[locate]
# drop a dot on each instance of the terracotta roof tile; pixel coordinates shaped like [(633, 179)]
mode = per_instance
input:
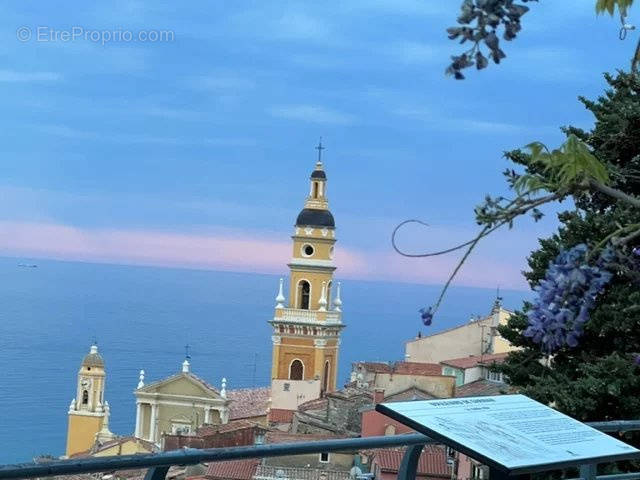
[(481, 388), (233, 469), (280, 415), (475, 360), (231, 426), (285, 437), (410, 394), (402, 368), (433, 461), (248, 402), (315, 404)]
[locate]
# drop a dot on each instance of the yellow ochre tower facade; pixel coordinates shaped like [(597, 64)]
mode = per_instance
[(306, 331), (88, 411)]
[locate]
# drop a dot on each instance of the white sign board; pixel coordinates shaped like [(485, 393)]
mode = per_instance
[(513, 431)]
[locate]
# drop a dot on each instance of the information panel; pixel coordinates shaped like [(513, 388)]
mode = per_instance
[(512, 431)]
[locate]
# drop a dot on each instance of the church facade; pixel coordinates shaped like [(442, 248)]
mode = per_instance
[(178, 405), (307, 327)]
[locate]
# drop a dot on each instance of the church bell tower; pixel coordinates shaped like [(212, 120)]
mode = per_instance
[(306, 331), (88, 411)]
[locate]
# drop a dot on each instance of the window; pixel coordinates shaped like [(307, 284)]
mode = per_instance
[(451, 453), (390, 430), (494, 376), (286, 387), (304, 293), (315, 189), (259, 439), (329, 293), (479, 472), (180, 429), (459, 374), (85, 397), (324, 457), (307, 250), (296, 370)]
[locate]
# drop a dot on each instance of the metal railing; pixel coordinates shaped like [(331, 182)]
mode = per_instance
[(158, 464)]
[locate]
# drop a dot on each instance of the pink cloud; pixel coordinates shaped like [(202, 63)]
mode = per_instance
[(235, 251)]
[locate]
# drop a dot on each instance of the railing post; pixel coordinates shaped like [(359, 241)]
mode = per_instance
[(409, 465), (588, 471), (156, 473)]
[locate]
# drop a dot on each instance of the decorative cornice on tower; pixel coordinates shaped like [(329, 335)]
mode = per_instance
[(280, 298), (323, 298), (337, 301)]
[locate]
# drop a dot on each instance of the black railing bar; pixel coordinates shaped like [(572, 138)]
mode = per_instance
[(613, 476), (190, 456)]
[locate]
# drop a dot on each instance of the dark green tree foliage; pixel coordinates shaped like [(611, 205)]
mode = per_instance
[(599, 379)]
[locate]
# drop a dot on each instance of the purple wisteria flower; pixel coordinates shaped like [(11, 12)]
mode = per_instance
[(565, 297), (636, 251)]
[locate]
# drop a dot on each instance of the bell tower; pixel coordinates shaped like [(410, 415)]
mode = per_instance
[(87, 411), (306, 332)]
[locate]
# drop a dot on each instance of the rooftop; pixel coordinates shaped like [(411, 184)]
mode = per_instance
[(433, 461), (401, 368), (481, 388), (286, 437), (281, 415), (475, 360), (248, 402), (233, 469)]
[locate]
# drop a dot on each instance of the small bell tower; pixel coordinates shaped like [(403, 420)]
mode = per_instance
[(87, 411), (306, 332)]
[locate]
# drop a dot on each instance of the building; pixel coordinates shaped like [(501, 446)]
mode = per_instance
[(475, 367), (311, 463), (236, 433), (336, 413), (398, 377), (385, 463), (178, 404), (476, 337), (122, 446), (306, 328), (376, 424), (88, 412)]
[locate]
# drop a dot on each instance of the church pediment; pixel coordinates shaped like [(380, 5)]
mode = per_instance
[(183, 384)]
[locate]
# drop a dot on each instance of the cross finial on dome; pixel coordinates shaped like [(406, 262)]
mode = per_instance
[(320, 148)]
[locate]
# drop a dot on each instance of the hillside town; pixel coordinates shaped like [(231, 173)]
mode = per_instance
[(303, 401)]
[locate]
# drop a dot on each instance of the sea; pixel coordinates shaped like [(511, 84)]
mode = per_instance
[(143, 317)]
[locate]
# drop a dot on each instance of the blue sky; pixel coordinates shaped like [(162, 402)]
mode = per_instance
[(196, 151)]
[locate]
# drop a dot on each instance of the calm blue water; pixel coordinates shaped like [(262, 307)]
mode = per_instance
[(143, 317)]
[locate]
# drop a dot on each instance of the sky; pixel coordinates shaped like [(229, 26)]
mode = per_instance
[(183, 134)]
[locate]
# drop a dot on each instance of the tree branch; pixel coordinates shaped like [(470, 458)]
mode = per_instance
[(617, 194)]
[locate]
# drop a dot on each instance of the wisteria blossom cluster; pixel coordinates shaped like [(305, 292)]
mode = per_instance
[(565, 297)]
